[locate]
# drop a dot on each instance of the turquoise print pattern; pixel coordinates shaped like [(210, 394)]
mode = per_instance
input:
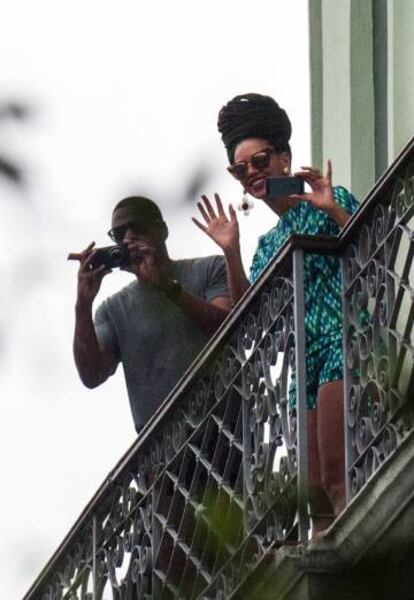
[(323, 305)]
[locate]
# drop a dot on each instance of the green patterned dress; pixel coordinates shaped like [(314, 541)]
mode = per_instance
[(323, 304)]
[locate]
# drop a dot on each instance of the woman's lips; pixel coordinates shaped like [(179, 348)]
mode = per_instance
[(257, 185)]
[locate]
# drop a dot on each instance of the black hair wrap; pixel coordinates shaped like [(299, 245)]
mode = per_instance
[(254, 116)]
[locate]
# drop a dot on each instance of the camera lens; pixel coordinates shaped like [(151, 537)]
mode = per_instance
[(117, 256), (111, 257)]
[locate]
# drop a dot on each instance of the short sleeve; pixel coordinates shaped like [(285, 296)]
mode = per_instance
[(268, 246), (216, 279), (345, 199), (105, 331)]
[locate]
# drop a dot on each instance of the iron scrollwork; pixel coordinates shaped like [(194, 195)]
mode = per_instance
[(379, 343)]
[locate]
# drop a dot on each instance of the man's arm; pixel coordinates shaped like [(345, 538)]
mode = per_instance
[(208, 316), (149, 267), (94, 363)]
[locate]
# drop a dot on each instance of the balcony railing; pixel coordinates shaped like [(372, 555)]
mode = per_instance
[(217, 480), (378, 297)]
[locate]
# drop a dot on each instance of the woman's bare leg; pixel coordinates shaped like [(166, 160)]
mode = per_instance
[(331, 444), (321, 509)]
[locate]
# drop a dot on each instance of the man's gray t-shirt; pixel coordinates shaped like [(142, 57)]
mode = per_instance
[(151, 335)]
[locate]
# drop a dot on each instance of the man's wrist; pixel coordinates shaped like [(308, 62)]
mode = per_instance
[(172, 289), (83, 306)]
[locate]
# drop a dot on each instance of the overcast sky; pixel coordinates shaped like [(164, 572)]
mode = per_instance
[(123, 98)]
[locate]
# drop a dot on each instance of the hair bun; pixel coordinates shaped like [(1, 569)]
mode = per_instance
[(253, 116)]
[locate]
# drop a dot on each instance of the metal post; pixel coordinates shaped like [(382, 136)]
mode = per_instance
[(347, 436), (94, 563), (301, 406)]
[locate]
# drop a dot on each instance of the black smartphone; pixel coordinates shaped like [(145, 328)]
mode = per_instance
[(278, 187)]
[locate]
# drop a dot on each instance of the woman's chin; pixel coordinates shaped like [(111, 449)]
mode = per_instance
[(258, 192), (260, 195)]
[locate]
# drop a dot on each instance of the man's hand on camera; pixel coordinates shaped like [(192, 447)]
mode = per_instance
[(147, 265), (89, 279)]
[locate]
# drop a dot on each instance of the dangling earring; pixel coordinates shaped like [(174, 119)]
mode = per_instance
[(286, 171), (246, 204)]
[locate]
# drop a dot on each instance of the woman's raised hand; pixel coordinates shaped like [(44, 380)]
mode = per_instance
[(321, 196), (224, 231)]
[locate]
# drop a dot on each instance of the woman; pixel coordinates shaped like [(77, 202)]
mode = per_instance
[(256, 133)]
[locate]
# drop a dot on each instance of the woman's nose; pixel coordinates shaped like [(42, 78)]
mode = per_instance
[(252, 168)]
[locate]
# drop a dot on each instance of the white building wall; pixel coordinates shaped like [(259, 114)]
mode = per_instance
[(346, 100), (400, 75), (336, 99)]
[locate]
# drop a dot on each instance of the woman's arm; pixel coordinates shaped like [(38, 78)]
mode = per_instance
[(225, 232), (238, 282)]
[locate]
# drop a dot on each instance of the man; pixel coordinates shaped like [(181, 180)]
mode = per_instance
[(157, 324)]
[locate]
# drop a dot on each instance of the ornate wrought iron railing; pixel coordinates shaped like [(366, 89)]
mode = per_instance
[(217, 481), (378, 301)]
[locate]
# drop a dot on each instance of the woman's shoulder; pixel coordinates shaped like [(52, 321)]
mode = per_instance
[(345, 198), (268, 233), (270, 236)]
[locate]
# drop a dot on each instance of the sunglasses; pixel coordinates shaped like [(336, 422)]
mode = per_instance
[(117, 234), (259, 160)]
